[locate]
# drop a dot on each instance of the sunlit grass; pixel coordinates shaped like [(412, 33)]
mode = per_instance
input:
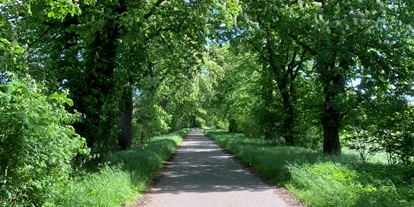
[(320, 180), (379, 157), (124, 177)]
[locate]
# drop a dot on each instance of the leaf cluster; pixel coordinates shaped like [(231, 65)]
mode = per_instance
[(38, 145)]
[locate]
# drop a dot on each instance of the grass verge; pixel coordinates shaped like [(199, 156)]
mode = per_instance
[(319, 180), (124, 177)]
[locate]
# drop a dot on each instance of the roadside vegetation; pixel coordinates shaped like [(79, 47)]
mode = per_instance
[(123, 177), (323, 180)]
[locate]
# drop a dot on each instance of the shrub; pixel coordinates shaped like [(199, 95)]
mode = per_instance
[(37, 143), (126, 174)]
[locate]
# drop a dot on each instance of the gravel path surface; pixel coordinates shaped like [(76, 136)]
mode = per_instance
[(201, 174)]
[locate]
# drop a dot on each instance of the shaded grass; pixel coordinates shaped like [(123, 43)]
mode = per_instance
[(320, 180), (125, 175)]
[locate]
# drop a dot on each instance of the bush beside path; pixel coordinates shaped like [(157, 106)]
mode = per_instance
[(124, 177)]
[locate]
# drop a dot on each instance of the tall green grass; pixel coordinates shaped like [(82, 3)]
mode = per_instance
[(124, 177), (320, 180)]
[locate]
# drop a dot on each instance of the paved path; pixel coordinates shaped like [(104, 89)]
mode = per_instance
[(202, 175)]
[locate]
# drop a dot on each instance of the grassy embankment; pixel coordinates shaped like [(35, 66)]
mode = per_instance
[(320, 180), (123, 178)]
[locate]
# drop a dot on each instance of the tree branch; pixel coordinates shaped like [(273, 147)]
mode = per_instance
[(254, 46), (158, 32), (165, 42), (350, 108), (306, 47), (38, 38), (292, 62), (297, 65), (152, 10)]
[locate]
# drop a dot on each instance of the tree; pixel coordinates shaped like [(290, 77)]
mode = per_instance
[(282, 61), (105, 52), (339, 35)]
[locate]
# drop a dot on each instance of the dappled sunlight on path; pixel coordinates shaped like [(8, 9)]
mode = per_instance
[(201, 174)]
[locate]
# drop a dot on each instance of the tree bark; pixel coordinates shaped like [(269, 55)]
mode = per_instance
[(288, 120), (125, 123), (268, 119), (193, 121), (331, 143), (283, 73), (232, 125), (331, 121)]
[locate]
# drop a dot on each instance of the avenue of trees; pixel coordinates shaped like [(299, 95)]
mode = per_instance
[(322, 67), (83, 79)]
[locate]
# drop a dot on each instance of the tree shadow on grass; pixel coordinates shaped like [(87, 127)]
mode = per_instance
[(273, 161), (375, 184), (390, 185)]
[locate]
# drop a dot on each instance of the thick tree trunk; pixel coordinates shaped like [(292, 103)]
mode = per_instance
[(93, 87), (193, 122), (232, 126), (331, 123), (331, 120), (125, 123), (331, 143)]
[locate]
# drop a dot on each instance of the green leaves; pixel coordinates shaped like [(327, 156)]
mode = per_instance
[(61, 99), (37, 145)]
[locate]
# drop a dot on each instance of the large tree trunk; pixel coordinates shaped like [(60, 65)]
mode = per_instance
[(331, 143), (94, 88), (334, 85), (232, 125), (193, 121), (331, 122), (268, 120), (125, 123)]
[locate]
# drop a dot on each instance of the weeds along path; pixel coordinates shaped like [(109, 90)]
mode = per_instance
[(201, 174)]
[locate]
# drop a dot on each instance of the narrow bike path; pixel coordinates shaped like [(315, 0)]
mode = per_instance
[(201, 174)]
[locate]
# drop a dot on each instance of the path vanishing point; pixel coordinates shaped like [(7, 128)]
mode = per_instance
[(201, 174)]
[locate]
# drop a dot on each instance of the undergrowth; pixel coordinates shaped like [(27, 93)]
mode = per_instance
[(320, 180), (123, 177)]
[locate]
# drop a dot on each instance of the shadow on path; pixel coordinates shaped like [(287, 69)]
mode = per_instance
[(200, 168)]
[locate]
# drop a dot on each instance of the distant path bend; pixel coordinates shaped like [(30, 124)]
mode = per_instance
[(201, 174)]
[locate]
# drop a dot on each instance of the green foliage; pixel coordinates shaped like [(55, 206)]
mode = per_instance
[(332, 36), (123, 177), (336, 184), (243, 91), (234, 90), (321, 180), (391, 132), (37, 143), (149, 119)]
